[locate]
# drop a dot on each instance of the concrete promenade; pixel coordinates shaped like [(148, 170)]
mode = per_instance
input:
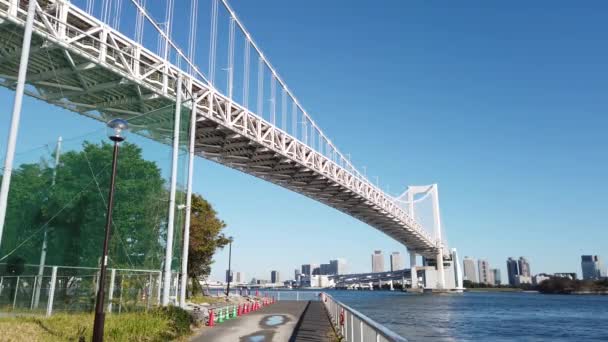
[(282, 321)]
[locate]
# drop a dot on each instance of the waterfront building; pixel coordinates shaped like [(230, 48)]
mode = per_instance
[(377, 262), (496, 274), (229, 275), (524, 267), (512, 270), (571, 276), (308, 269), (239, 277), (521, 279), (592, 267), (484, 271), (316, 270), (539, 278), (337, 266), (470, 273), (274, 277), (396, 261), (325, 269)]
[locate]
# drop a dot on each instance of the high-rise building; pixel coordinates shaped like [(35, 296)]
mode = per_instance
[(229, 275), (325, 269), (592, 267), (274, 277), (396, 261), (470, 273), (524, 267), (308, 269), (496, 274), (316, 270), (337, 266), (512, 270), (484, 271), (239, 277), (377, 262)]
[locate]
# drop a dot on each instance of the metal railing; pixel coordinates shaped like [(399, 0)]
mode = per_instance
[(72, 289), (355, 326)]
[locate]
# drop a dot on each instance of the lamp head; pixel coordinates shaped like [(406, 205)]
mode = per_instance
[(117, 130)]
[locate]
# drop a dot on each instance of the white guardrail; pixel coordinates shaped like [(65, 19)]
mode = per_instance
[(355, 326)]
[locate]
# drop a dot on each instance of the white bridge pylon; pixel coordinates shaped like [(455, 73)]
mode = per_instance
[(86, 65), (415, 200)]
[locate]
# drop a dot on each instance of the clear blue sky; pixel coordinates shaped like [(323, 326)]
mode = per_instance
[(504, 105)]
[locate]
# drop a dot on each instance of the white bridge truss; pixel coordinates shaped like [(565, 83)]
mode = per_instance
[(82, 64)]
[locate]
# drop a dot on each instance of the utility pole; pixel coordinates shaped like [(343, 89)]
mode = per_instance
[(229, 265)]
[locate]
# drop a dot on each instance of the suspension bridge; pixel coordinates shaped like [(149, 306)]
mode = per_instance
[(121, 58)]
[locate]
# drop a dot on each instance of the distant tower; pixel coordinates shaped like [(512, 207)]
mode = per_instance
[(512, 270), (496, 273), (470, 273), (337, 266), (484, 272), (377, 262), (274, 277), (524, 267), (396, 261), (592, 267)]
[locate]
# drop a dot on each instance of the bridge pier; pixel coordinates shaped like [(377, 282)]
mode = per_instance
[(413, 270)]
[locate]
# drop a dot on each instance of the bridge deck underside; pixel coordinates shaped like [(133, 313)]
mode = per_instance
[(73, 80)]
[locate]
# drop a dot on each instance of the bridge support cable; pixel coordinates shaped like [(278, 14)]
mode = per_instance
[(16, 115), (186, 238), (260, 106), (172, 191), (284, 110), (246, 66), (294, 119), (90, 6), (213, 41), (273, 100), (117, 12), (139, 22), (231, 40)]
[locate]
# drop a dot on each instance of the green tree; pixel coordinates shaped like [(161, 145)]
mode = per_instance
[(205, 238), (73, 209)]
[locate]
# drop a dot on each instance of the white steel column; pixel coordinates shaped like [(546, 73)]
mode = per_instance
[(186, 239), (171, 218), (437, 220), (49, 304), (413, 270), (14, 129), (45, 238), (111, 291)]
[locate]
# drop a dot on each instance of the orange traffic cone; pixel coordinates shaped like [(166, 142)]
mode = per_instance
[(211, 319), (238, 311)]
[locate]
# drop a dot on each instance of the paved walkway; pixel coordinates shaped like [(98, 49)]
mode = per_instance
[(280, 322), (314, 325)]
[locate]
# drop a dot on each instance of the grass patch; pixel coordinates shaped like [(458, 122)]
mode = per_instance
[(161, 324)]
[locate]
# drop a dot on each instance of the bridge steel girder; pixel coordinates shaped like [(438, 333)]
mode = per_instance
[(152, 80)]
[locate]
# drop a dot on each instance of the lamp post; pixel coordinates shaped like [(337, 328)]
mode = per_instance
[(229, 270), (116, 132)]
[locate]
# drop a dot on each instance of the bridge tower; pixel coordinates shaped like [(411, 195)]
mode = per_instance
[(436, 277)]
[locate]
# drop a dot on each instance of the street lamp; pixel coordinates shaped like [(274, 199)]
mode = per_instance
[(229, 270), (117, 130)]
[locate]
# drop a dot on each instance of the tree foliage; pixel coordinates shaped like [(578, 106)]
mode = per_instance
[(71, 208), (205, 238)]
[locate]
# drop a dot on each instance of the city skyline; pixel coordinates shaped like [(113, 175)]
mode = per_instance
[(512, 160)]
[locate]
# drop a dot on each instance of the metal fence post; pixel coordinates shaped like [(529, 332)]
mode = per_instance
[(1, 281), (111, 292), (298, 296), (361, 330), (149, 294), (16, 291), (49, 305), (278, 295)]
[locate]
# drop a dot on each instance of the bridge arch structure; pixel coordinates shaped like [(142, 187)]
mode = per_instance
[(81, 60)]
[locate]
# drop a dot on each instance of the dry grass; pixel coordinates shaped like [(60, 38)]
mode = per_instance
[(158, 325)]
